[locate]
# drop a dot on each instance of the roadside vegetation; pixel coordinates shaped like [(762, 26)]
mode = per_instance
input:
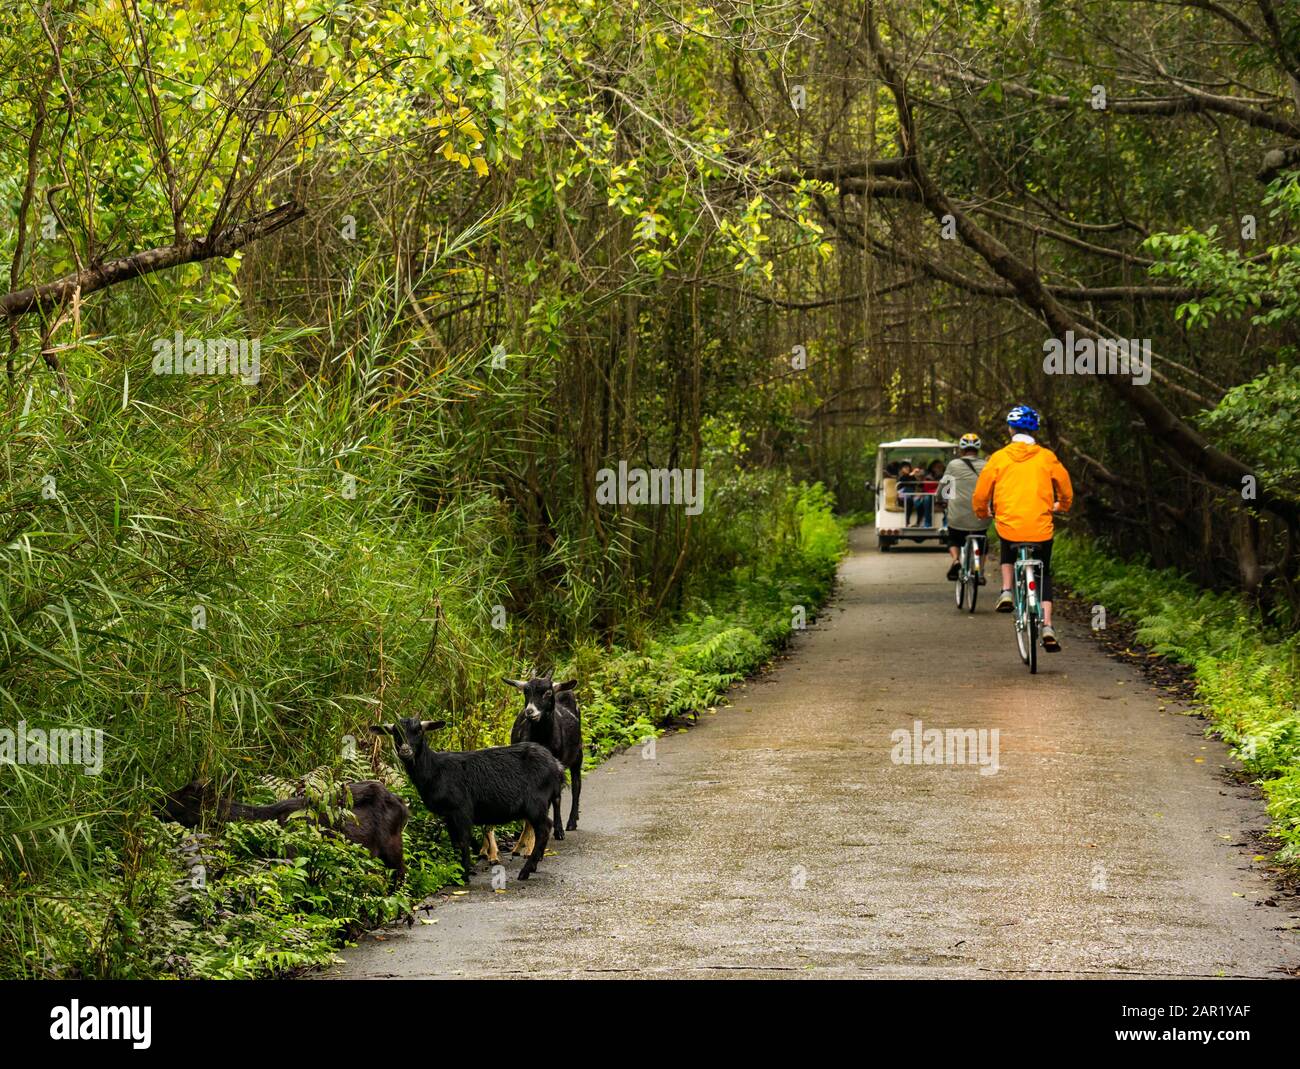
[(325, 615)]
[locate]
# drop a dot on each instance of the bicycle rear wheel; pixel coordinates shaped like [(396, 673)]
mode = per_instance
[(973, 580), (1032, 631), (960, 587), (1024, 614), (1022, 639)]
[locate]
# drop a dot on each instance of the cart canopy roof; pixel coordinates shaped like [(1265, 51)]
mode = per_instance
[(918, 443)]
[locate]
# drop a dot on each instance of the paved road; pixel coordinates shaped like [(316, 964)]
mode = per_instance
[(779, 838)]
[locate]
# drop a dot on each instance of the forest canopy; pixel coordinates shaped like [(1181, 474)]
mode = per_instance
[(655, 211)]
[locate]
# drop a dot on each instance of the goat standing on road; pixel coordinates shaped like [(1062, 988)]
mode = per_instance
[(550, 716), (492, 786)]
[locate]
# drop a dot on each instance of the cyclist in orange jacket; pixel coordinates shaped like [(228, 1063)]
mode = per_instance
[(1022, 486)]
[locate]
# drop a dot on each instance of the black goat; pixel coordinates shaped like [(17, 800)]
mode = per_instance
[(492, 786), (378, 816), (550, 717)]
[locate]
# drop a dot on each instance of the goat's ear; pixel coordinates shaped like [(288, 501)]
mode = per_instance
[(518, 684), (568, 684), (432, 725), (381, 729)]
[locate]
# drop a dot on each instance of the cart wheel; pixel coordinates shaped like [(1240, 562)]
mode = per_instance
[(886, 544)]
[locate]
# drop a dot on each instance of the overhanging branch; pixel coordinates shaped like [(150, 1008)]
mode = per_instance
[(51, 295)]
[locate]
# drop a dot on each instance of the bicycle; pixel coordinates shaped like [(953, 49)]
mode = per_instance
[(970, 575), (1027, 604)]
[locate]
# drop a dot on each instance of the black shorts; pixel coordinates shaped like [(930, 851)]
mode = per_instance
[(1043, 551), (957, 537)]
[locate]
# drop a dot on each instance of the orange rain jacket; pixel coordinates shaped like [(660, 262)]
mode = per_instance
[(1021, 482)]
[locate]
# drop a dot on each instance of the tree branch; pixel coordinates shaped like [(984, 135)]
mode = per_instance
[(54, 294)]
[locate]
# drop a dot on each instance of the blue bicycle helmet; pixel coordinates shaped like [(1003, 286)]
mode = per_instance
[(1022, 418)]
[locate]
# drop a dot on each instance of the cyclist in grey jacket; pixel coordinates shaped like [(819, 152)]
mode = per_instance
[(956, 488)]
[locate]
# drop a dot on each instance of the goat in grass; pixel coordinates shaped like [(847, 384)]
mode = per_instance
[(378, 815)]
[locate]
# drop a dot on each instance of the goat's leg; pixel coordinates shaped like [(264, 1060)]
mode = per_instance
[(458, 830), (390, 853), (541, 834), (575, 775), (555, 821), (489, 847), (524, 844)]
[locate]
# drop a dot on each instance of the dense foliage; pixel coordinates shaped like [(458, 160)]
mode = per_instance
[(105, 889)]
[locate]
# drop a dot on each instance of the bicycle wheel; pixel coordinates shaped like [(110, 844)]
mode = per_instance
[(960, 585), (1023, 613), (1022, 634), (973, 592), (1032, 631)]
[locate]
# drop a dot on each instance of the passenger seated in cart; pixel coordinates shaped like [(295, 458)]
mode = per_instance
[(920, 496), (924, 500), (909, 483), (930, 487)]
